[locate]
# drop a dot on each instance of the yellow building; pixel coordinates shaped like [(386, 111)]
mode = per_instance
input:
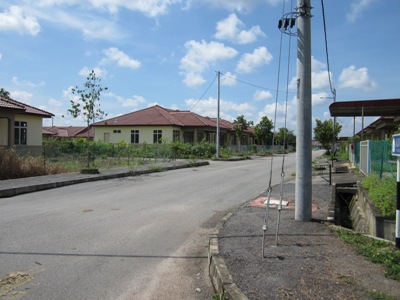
[(156, 124), (21, 126)]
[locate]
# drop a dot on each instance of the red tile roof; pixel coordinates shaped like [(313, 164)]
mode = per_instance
[(68, 131), (159, 116), (23, 108)]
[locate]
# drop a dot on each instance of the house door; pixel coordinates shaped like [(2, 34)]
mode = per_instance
[(106, 137)]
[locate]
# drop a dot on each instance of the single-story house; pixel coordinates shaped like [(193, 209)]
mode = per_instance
[(67, 132), (156, 124), (21, 126)]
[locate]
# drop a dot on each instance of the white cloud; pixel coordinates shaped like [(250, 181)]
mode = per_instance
[(100, 72), (228, 110), (250, 61), (133, 102), (150, 8), (92, 26), (54, 102), (356, 8), (321, 98), (232, 29), (261, 95), (21, 96), (28, 83), (228, 79), (281, 114), (14, 19), (199, 56), (122, 59), (356, 79), (231, 5)]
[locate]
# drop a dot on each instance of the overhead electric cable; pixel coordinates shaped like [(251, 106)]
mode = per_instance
[(254, 85), (326, 48), (204, 92)]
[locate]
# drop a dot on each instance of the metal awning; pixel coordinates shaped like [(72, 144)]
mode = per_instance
[(366, 108)]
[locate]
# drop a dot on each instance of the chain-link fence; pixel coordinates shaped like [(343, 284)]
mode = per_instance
[(374, 157)]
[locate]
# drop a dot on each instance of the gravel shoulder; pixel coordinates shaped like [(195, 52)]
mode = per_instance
[(309, 262)]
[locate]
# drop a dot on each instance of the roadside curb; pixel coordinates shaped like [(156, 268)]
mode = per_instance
[(34, 184), (220, 277)]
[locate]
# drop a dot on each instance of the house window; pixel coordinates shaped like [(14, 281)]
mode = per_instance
[(117, 131), (176, 135), (20, 133), (157, 136), (135, 136)]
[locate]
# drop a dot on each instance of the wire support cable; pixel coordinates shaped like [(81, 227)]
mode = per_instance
[(269, 189)]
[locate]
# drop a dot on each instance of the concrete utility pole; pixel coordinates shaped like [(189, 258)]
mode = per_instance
[(303, 201), (217, 137)]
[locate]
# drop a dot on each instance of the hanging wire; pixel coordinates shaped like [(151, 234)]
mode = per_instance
[(201, 97), (284, 139), (269, 189), (252, 84), (326, 48)]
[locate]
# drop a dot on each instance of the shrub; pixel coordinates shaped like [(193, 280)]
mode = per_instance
[(382, 193)]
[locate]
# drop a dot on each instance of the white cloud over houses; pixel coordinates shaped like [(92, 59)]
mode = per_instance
[(123, 60), (199, 56), (251, 61), (228, 110), (131, 102), (233, 29), (22, 96), (14, 19), (27, 83), (283, 114), (353, 78), (261, 95)]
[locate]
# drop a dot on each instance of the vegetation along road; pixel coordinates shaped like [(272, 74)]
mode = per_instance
[(140, 237)]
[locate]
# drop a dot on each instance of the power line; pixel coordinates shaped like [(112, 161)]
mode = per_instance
[(326, 48), (204, 93), (253, 85)]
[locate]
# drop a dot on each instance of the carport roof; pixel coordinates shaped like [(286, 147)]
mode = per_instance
[(358, 108)]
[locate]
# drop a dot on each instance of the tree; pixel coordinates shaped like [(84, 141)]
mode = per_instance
[(285, 137), (263, 130), (240, 125), (86, 103), (323, 132), (4, 93)]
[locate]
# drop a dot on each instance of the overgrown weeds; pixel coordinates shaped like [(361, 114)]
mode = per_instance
[(377, 251), (382, 193), (14, 166)]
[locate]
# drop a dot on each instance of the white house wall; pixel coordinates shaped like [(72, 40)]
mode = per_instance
[(145, 133)]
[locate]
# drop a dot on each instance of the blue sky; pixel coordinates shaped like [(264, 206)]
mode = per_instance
[(167, 52)]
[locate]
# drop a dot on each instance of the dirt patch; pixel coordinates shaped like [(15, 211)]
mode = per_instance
[(9, 284), (309, 262)]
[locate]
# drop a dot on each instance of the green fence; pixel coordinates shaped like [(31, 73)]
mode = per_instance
[(375, 157)]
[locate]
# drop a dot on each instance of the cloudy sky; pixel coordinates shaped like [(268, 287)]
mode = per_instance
[(168, 52)]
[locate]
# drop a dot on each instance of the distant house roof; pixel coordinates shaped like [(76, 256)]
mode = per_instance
[(358, 108), (22, 108), (160, 116), (67, 131)]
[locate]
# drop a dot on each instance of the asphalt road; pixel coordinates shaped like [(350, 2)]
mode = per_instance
[(140, 237)]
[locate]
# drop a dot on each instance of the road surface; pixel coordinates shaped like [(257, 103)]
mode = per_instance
[(142, 237)]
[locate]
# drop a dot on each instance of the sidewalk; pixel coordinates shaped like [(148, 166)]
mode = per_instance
[(308, 262), (13, 187)]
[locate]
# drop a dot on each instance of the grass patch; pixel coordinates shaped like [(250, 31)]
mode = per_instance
[(377, 251)]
